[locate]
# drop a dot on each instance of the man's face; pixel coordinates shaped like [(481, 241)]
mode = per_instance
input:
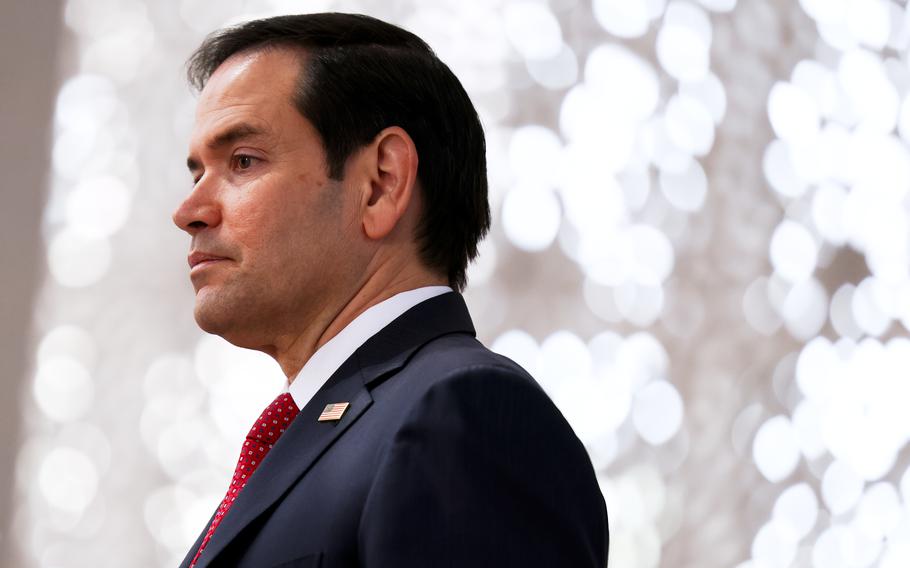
[(262, 200)]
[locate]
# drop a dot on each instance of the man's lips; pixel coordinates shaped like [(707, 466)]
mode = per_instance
[(201, 258)]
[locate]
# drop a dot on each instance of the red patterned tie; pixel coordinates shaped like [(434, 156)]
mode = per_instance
[(265, 432)]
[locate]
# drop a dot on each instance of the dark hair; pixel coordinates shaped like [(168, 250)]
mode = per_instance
[(361, 75)]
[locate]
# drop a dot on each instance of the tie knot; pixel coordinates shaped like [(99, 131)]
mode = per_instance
[(274, 420)]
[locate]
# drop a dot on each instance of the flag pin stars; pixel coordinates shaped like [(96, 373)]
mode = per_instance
[(333, 411)]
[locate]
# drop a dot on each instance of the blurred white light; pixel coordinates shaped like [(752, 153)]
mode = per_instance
[(872, 96), (533, 30), (841, 487), (63, 388), (519, 346), (604, 348), (834, 548), (557, 72), (68, 479), (76, 261), (832, 22), (685, 190), (819, 82), (85, 103), (710, 92), (808, 431), (98, 207), (613, 402), (484, 264), (657, 147), (683, 52), (797, 507), (657, 412), (600, 301), (70, 341), (591, 198), (869, 21), (120, 52), (758, 310), (777, 165), (718, 5), (774, 545), (564, 357), (198, 15), (607, 260), (532, 149), (643, 357), (163, 513), (636, 187), (867, 313), (842, 312), (531, 217), (903, 121), (625, 84), (775, 450), (622, 18), (834, 153), (879, 167), (652, 253), (888, 252), (74, 149), (689, 125), (685, 14), (225, 371), (793, 113), (828, 203), (900, 28), (90, 439), (896, 554), (905, 487), (639, 304), (879, 511), (169, 375), (587, 403), (793, 251), (602, 137), (805, 309)]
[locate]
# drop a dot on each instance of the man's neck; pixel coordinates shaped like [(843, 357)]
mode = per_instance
[(292, 352)]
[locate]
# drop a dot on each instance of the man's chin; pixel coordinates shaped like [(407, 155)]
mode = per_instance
[(210, 314), (208, 323)]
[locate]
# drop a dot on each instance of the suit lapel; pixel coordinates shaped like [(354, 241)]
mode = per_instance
[(294, 453), (307, 438)]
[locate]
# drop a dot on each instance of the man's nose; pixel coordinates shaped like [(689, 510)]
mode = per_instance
[(198, 211)]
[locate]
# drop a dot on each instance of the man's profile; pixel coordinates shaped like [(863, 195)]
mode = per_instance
[(339, 194)]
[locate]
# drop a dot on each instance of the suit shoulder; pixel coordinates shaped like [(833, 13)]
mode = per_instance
[(457, 356)]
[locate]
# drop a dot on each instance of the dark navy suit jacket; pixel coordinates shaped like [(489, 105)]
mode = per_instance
[(448, 456)]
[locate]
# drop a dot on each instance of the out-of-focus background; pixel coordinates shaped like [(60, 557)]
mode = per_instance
[(701, 248)]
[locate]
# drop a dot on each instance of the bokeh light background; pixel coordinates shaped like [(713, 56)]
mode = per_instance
[(701, 250)]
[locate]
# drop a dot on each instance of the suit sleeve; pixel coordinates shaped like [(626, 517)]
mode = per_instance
[(485, 471)]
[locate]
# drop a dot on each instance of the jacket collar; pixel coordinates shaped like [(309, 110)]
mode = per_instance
[(307, 438)]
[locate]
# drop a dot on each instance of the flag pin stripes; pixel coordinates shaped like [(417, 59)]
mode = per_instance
[(333, 411)]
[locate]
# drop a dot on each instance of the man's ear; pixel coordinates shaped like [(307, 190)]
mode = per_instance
[(391, 160)]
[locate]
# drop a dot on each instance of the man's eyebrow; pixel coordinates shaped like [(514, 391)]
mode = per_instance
[(226, 137), (233, 134)]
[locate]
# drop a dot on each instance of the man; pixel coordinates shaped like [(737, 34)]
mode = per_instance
[(339, 194)]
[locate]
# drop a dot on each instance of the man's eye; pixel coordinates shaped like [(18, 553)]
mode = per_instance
[(243, 161)]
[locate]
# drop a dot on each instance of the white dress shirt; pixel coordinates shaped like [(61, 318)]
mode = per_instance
[(326, 360)]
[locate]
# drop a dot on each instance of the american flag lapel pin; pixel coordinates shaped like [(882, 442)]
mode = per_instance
[(333, 411)]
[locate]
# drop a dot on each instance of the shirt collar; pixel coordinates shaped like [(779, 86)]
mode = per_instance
[(326, 360)]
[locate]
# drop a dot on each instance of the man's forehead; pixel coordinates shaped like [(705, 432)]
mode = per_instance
[(271, 71), (248, 88)]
